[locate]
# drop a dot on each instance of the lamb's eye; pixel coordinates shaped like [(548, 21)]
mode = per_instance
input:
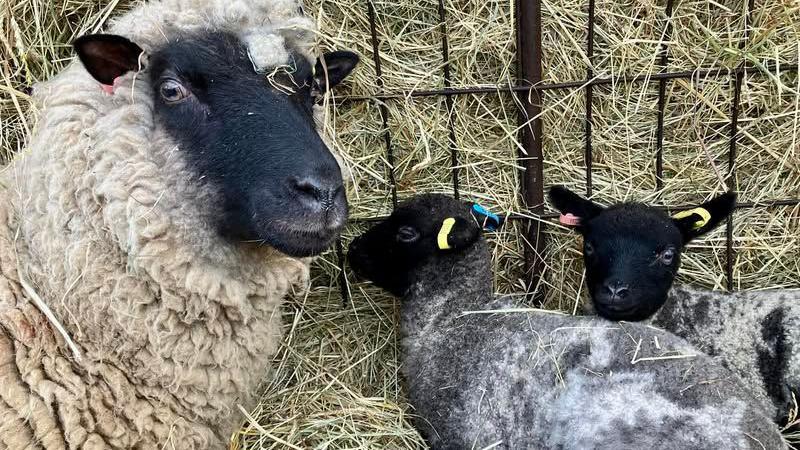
[(407, 234), (588, 249), (172, 91), (667, 256)]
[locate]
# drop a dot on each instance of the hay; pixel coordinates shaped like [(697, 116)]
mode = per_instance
[(335, 382)]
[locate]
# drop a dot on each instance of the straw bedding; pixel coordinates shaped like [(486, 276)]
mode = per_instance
[(337, 380)]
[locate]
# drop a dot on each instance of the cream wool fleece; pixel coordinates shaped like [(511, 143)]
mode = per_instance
[(105, 223)]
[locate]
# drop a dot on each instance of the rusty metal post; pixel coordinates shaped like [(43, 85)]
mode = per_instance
[(529, 54)]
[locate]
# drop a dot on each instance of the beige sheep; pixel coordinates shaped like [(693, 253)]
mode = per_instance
[(162, 247)]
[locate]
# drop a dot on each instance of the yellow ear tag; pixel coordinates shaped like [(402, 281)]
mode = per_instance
[(702, 212), (441, 240)]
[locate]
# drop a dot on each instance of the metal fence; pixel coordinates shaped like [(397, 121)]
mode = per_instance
[(530, 93)]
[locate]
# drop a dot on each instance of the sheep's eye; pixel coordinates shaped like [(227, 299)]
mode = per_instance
[(407, 234), (667, 256), (588, 249), (172, 91)]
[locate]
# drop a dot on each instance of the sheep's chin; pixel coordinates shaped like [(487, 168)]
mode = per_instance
[(299, 243), (630, 314)]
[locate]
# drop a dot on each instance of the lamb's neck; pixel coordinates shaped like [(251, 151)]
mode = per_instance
[(683, 304), (448, 286)]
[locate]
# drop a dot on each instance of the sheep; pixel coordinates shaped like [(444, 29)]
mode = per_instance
[(632, 253), (173, 192), (481, 374)]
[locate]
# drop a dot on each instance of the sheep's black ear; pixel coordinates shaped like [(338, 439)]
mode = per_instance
[(704, 218), (456, 233), (107, 56), (568, 202), (332, 68)]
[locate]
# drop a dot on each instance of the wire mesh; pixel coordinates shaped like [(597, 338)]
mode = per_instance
[(529, 91)]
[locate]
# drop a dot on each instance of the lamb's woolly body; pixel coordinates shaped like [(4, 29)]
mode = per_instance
[(174, 325), (755, 333), (544, 381)]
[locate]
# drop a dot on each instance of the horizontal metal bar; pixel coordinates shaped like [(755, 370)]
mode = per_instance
[(521, 217), (497, 89)]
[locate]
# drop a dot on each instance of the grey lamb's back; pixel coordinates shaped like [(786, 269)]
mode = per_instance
[(560, 382)]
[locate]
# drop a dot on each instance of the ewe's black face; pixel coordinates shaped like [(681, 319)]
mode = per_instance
[(390, 252), (251, 138), (632, 251)]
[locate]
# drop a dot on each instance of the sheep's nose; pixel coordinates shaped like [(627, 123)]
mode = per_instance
[(616, 289), (325, 196), (316, 193)]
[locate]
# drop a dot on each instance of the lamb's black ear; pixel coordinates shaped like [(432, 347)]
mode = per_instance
[(704, 218), (568, 202), (332, 68), (456, 233), (107, 56)]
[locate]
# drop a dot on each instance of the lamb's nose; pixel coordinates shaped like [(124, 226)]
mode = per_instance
[(617, 289)]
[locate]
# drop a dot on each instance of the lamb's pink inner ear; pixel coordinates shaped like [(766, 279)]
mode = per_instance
[(109, 88), (569, 220)]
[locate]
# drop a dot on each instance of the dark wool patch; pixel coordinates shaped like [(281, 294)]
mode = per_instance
[(577, 355), (773, 358), (668, 316), (700, 312)]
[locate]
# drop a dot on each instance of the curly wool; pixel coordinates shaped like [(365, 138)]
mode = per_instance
[(103, 220)]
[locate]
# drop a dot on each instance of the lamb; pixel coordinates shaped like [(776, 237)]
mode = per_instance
[(175, 189), (481, 374), (632, 253)]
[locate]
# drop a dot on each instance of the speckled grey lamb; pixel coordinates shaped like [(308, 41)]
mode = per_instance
[(632, 253), (479, 374)]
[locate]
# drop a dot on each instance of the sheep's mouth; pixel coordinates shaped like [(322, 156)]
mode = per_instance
[(300, 241)]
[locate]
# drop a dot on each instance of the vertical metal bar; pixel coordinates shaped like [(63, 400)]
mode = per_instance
[(662, 94), (383, 110), (587, 157), (731, 179), (529, 54), (451, 138)]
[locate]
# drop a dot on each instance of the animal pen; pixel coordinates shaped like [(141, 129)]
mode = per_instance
[(665, 101)]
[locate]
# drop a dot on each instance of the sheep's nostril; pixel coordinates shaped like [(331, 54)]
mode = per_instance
[(616, 289), (317, 193), (307, 187)]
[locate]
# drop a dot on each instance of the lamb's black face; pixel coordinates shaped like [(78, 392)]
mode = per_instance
[(389, 253), (632, 251), (250, 137), (632, 254)]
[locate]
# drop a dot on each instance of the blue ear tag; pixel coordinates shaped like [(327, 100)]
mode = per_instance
[(489, 220)]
